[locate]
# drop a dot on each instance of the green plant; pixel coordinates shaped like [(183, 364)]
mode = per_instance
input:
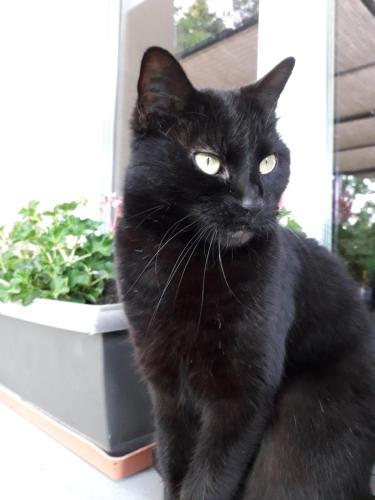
[(285, 219), (54, 255), (356, 228), (201, 22), (197, 25)]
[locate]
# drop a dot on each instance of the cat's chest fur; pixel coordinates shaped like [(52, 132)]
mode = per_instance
[(200, 324)]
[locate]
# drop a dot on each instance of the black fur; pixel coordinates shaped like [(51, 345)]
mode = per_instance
[(254, 342)]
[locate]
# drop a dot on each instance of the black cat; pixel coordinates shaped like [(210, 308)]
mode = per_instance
[(257, 350)]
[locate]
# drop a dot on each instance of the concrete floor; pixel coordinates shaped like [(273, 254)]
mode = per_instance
[(33, 465)]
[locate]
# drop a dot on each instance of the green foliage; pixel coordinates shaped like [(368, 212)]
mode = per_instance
[(196, 25), (54, 255), (244, 10), (285, 219), (356, 231)]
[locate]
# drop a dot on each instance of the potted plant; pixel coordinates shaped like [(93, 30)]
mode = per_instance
[(64, 343)]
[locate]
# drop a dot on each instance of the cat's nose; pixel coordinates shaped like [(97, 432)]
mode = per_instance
[(247, 202), (251, 203)]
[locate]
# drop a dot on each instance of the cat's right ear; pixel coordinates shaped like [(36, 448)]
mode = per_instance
[(267, 90), (163, 87)]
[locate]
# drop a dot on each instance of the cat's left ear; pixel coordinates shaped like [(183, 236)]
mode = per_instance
[(163, 87), (268, 89)]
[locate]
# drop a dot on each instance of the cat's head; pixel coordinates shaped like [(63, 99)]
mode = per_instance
[(212, 159)]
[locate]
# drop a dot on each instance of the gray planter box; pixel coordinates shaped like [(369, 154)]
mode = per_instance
[(75, 363)]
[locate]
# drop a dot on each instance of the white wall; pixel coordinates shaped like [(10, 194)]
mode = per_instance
[(57, 94), (304, 30)]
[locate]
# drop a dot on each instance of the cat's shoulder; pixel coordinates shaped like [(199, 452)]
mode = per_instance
[(317, 263), (309, 251), (298, 242)]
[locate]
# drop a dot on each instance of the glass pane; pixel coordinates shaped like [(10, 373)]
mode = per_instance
[(355, 141), (200, 22)]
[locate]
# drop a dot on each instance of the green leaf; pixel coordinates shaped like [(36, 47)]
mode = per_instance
[(102, 246), (67, 207), (28, 297), (54, 254), (30, 210), (291, 223), (78, 278), (59, 286)]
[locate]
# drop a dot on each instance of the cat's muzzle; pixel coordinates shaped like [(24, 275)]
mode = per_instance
[(235, 238)]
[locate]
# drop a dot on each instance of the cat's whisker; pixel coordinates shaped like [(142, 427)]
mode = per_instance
[(165, 235), (155, 256), (196, 113), (196, 242), (150, 213), (229, 288), (157, 207), (175, 268), (224, 276), (205, 243), (214, 232)]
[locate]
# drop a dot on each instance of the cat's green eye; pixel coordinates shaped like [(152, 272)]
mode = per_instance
[(267, 164), (209, 164)]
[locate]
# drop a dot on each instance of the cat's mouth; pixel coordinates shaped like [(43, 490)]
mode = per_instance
[(235, 238)]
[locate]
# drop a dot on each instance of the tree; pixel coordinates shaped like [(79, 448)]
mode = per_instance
[(196, 25), (244, 10)]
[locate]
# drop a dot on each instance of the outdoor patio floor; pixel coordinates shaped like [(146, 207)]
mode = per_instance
[(33, 465)]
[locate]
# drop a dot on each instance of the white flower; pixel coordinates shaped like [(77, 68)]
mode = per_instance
[(71, 241), (82, 240)]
